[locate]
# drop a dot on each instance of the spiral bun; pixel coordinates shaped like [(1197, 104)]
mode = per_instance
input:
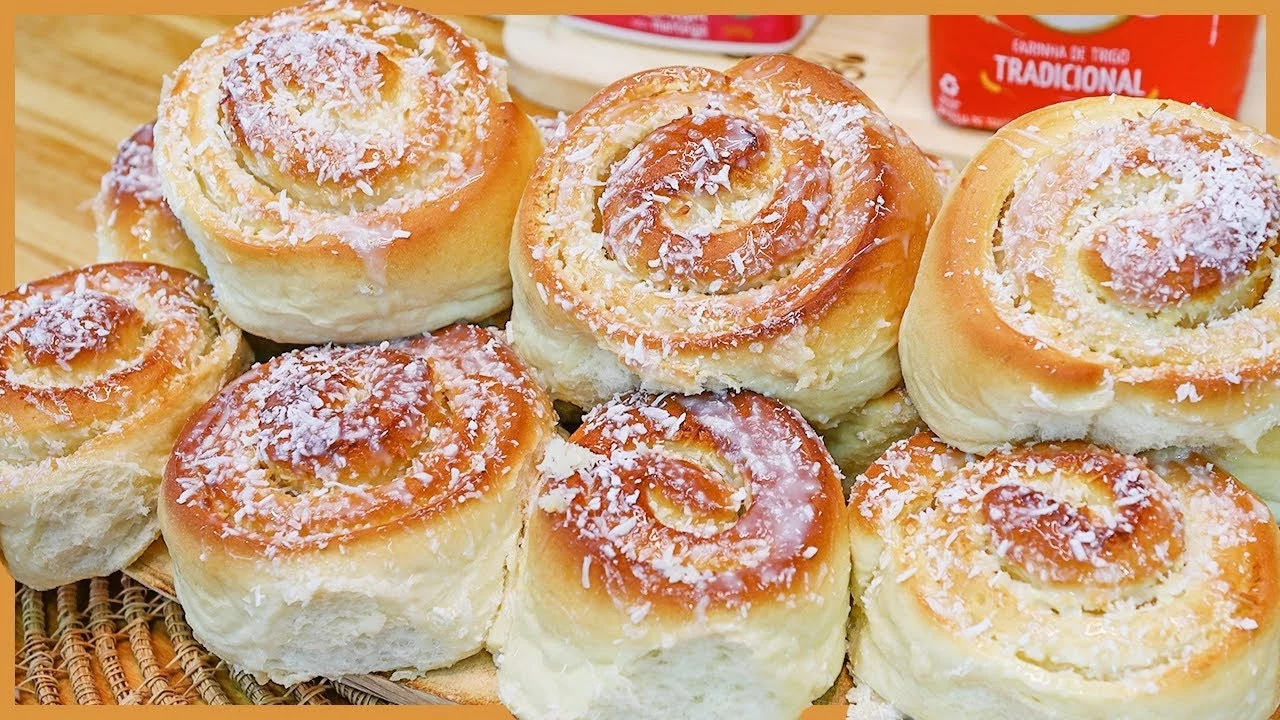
[(1104, 270), (343, 510), (348, 171), (694, 230), (1063, 581), (684, 555), (99, 369), (133, 220)]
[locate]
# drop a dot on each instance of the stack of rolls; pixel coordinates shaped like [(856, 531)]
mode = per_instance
[(695, 233), (343, 172), (1099, 283), (822, 401)]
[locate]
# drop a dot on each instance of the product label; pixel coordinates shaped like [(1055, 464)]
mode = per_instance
[(715, 28), (990, 69)]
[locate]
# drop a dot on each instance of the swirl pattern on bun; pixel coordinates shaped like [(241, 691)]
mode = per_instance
[(349, 509), (694, 230), (1105, 270), (1062, 581), (681, 552)]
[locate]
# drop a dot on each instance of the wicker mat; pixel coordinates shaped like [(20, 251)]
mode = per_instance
[(112, 641)]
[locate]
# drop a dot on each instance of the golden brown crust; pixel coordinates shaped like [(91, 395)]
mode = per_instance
[(133, 220), (331, 39), (331, 445), (710, 502), (92, 346), (1078, 285), (739, 212)]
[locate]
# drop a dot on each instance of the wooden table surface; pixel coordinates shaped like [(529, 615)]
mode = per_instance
[(84, 83)]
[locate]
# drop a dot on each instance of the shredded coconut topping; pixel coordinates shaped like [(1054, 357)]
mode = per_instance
[(1144, 247), (133, 173), (1166, 207), (73, 324), (1109, 567), (702, 497), (1149, 243), (551, 128), (324, 443), (690, 209), (87, 351), (334, 119)]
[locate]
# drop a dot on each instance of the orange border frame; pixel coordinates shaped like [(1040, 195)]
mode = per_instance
[(229, 7)]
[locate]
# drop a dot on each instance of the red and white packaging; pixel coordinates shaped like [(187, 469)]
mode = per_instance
[(733, 34), (989, 69)]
